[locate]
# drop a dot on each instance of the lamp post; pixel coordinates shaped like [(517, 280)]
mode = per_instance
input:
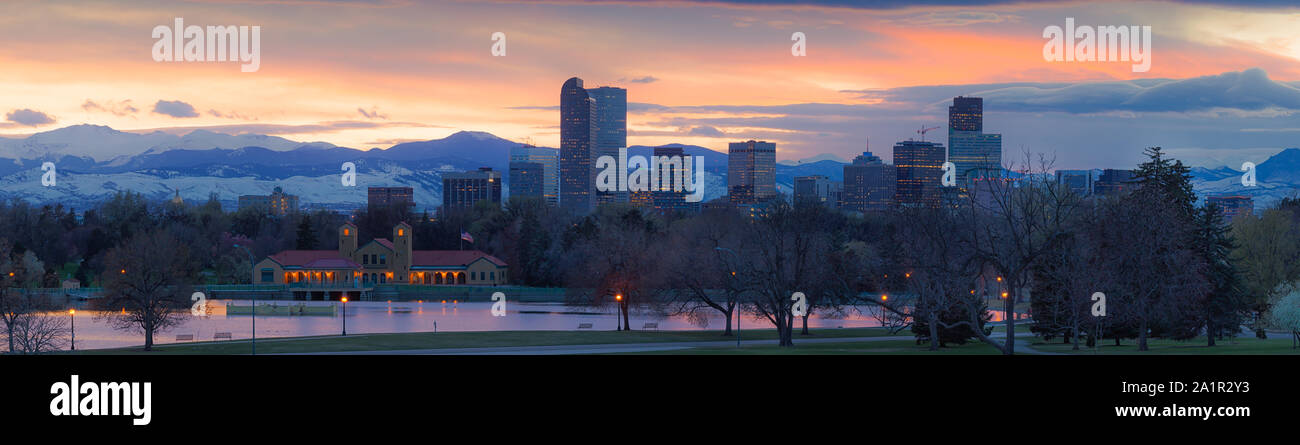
[(72, 315), (253, 294), (345, 315), (618, 309)]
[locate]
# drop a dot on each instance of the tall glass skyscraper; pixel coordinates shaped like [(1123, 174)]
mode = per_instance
[(577, 147), (751, 172), (975, 154), (611, 129), (550, 162), (920, 168)]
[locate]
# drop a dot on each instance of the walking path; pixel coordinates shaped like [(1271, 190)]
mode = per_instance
[(628, 347)]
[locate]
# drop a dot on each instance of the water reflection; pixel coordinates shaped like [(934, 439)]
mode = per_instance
[(365, 317)]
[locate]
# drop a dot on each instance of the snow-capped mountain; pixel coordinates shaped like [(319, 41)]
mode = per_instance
[(1276, 178), (106, 144)]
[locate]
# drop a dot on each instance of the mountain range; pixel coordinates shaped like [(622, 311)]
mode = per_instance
[(94, 162)]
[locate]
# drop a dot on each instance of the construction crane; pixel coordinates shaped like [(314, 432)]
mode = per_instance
[(924, 130)]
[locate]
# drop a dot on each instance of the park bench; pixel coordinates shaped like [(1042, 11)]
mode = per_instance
[(649, 326), (184, 337), (584, 325), (221, 335)]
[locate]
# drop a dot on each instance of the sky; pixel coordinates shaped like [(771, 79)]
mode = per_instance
[(1223, 85)]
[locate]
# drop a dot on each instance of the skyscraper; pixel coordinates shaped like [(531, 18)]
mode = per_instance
[(920, 168), (611, 130), (577, 147), (975, 154), (869, 184), (751, 172), (527, 179), (666, 198), (461, 191), (550, 161)]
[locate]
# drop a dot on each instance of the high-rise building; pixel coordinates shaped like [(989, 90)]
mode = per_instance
[(667, 198), (611, 130), (920, 168), (1233, 206), (975, 154), (577, 147), (869, 184), (461, 191), (751, 171), (819, 189), (550, 161), (1078, 181), (527, 179), (277, 203), (386, 196), (966, 114), (1113, 181)]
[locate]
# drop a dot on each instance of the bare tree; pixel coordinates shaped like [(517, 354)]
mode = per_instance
[(39, 333), (704, 267), (784, 255), (148, 278), (19, 274)]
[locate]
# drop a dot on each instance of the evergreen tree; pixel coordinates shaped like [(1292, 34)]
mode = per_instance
[(306, 234), (1225, 305)]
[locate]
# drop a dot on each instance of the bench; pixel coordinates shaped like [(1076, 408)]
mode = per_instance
[(649, 326), (221, 335), (184, 337), (584, 325)]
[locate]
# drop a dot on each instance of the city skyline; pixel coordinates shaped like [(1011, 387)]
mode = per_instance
[(724, 74)]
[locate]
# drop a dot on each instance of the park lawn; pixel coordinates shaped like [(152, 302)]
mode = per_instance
[(1196, 346), (430, 340), (884, 347)]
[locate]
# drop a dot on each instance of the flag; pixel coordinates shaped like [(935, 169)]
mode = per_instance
[(466, 236)]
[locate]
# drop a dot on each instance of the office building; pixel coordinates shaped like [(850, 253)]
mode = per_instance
[(819, 189), (1078, 181), (751, 172), (277, 203), (577, 147), (869, 184), (974, 154), (611, 131), (550, 162), (386, 196), (920, 168), (1233, 206), (527, 179), (1113, 182), (668, 197), (460, 191)]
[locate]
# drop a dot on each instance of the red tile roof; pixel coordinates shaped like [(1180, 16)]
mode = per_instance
[(385, 242), (450, 258), (302, 257), (332, 263)]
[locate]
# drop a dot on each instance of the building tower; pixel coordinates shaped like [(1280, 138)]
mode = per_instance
[(401, 262), (348, 241), (577, 147)]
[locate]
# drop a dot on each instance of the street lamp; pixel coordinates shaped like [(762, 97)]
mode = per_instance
[(252, 293), (72, 315), (345, 315), (618, 316)]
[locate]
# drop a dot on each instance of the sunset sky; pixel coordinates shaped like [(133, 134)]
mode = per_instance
[(1224, 83)]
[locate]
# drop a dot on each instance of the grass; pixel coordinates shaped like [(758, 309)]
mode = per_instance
[(429, 340), (1197, 346), (884, 347)]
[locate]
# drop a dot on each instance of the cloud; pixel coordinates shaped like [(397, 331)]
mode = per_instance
[(121, 108), (29, 117), (706, 131), (373, 113), (283, 129), (174, 108), (643, 79), (230, 115)]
